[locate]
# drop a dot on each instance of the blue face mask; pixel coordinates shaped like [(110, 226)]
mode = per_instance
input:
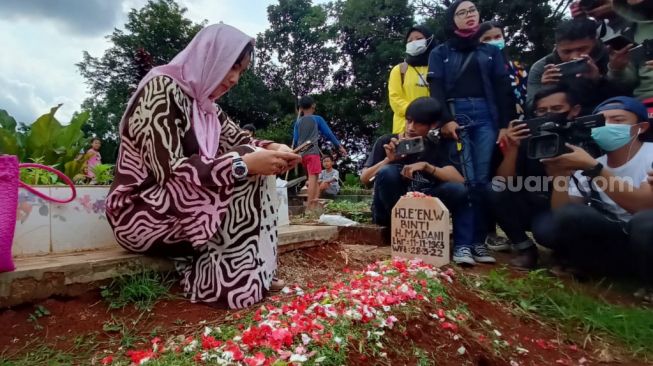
[(501, 43), (611, 136)]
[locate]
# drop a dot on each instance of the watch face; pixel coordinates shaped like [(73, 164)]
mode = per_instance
[(239, 171)]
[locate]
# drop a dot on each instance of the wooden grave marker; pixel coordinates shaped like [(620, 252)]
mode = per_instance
[(420, 229)]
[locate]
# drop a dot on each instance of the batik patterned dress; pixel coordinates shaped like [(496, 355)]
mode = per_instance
[(169, 200)]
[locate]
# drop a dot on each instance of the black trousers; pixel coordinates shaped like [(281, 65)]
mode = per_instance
[(518, 212), (591, 240)]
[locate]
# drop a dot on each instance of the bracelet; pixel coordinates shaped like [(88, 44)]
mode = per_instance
[(433, 170)]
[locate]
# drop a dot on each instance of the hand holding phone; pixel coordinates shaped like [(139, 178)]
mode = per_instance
[(571, 69), (618, 42), (410, 146)]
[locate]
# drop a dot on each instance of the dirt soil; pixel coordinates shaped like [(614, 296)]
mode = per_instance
[(82, 321)]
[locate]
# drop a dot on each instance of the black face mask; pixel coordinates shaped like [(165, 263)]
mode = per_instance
[(560, 117)]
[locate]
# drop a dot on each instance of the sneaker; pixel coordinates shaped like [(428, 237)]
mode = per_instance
[(497, 243), (481, 254), (463, 255), (526, 259)]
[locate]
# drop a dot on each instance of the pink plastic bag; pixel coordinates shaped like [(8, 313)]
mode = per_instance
[(9, 184)]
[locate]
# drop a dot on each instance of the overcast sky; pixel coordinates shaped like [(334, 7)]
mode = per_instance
[(43, 39)]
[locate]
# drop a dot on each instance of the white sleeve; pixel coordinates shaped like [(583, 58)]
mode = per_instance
[(574, 190)]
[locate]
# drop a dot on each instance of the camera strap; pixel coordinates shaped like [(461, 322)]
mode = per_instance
[(593, 199)]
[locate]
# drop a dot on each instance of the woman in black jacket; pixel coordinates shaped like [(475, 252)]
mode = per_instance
[(472, 79)]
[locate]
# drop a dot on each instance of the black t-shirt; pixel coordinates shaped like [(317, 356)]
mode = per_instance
[(470, 82), (436, 155)]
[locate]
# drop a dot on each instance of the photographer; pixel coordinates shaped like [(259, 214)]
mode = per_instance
[(517, 211), (618, 225), (576, 40), (636, 72), (429, 171)]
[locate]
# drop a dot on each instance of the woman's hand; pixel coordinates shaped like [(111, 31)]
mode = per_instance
[(270, 162), (279, 147), (449, 130)]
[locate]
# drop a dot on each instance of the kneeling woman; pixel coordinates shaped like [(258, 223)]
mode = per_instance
[(190, 184)]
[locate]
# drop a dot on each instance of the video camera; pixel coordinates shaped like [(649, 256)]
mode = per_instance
[(548, 138)]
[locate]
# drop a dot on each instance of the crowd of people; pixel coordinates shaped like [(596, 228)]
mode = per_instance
[(192, 185), (562, 149)]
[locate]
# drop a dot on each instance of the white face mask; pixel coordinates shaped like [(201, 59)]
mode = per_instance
[(416, 48)]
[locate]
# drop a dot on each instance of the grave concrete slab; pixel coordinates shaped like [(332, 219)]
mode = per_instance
[(39, 277)]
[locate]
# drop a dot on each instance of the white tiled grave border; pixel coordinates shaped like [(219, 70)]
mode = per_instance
[(43, 227)]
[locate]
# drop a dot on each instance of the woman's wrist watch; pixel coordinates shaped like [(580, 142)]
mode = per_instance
[(239, 168)]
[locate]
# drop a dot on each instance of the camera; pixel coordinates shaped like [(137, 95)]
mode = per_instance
[(548, 138)]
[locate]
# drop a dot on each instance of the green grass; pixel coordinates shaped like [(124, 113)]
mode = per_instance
[(43, 356), (357, 211), (142, 289), (548, 297)]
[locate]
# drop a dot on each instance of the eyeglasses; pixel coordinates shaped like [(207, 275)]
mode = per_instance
[(465, 12), (540, 112)]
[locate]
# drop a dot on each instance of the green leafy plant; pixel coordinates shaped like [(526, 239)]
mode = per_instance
[(103, 174), (357, 211), (142, 289), (38, 176), (39, 312), (46, 140)]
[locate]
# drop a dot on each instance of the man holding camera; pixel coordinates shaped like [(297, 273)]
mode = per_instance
[(633, 64), (522, 193), (424, 167), (603, 208), (580, 60)]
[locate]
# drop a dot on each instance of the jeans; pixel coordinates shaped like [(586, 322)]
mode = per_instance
[(517, 213), (455, 197), (582, 235), (390, 186), (478, 144)]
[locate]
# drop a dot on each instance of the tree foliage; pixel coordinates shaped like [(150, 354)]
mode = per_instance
[(152, 36), (299, 39), (341, 52), (528, 24)]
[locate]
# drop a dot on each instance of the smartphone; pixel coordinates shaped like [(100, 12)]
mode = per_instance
[(617, 41), (303, 147), (410, 146), (641, 53), (572, 68), (589, 4), (533, 123)]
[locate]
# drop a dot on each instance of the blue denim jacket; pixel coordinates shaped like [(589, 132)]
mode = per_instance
[(445, 63)]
